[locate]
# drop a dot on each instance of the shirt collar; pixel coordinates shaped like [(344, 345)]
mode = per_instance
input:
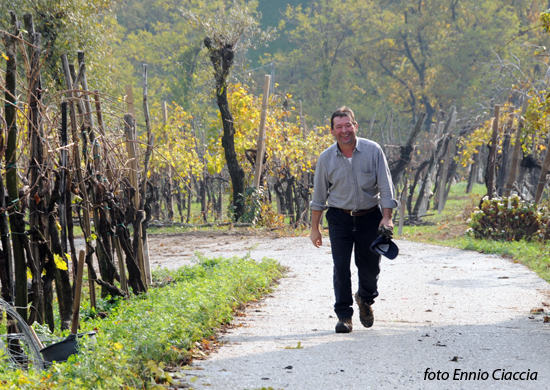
[(359, 147)]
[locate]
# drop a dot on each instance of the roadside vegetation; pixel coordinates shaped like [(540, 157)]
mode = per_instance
[(450, 228), (145, 342)]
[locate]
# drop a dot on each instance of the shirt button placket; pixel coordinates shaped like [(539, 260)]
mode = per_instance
[(354, 188)]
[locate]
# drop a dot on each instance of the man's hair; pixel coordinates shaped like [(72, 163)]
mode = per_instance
[(342, 111)]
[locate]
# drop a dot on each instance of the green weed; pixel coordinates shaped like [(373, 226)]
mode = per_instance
[(142, 336)]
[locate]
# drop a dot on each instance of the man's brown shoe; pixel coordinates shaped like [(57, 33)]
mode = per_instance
[(365, 312), (344, 325)]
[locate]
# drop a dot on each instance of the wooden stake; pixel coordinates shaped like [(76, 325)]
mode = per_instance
[(121, 269), (491, 160), (450, 154), (78, 292), (404, 195), (130, 101), (82, 185), (169, 200), (260, 148), (517, 149), (543, 174), (302, 119), (35, 336), (17, 226), (134, 180)]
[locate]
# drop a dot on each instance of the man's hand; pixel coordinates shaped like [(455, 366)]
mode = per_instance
[(316, 237), (385, 231), (386, 222), (386, 219)]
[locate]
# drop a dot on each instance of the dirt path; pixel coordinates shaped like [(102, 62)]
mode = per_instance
[(439, 309)]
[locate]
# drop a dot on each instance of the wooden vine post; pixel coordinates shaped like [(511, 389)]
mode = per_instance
[(450, 154), (148, 153), (82, 185), (515, 153), (64, 155), (491, 160), (403, 202), (78, 292), (543, 174), (17, 225), (37, 205), (134, 181), (169, 199), (103, 248), (505, 151), (109, 173), (130, 101), (260, 147), (62, 278)]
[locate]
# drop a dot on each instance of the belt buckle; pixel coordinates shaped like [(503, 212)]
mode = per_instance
[(351, 213)]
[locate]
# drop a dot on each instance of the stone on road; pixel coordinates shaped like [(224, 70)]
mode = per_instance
[(445, 319)]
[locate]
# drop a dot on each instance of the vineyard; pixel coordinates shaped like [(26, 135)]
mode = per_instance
[(77, 161)]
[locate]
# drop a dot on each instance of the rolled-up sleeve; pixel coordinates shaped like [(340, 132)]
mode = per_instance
[(320, 185), (385, 183)]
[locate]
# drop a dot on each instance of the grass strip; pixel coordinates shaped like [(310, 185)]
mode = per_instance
[(449, 229), (145, 333)]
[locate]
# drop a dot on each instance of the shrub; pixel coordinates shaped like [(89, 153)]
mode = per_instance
[(508, 219)]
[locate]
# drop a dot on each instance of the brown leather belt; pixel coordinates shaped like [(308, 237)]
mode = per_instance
[(359, 213)]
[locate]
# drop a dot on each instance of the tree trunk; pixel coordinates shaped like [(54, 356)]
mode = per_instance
[(406, 151), (222, 60), (435, 158)]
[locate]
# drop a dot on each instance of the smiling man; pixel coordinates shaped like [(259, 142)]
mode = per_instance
[(352, 181)]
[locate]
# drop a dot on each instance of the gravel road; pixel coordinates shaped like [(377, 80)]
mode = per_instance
[(441, 313)]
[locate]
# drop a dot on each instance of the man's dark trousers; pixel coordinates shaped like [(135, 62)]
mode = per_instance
[(345, 232)]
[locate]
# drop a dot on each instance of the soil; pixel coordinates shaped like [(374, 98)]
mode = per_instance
[(177, 249)]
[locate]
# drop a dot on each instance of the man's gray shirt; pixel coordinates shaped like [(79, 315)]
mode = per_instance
[(361, 185)]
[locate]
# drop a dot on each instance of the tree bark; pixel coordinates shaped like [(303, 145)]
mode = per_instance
[(406, 151), (222, 60)]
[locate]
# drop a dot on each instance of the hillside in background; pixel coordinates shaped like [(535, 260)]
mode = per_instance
[(272, 13)]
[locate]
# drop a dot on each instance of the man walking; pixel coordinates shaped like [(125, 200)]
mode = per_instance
[(352, 181)]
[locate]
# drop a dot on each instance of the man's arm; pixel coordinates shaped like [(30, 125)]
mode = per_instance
[(315, 236), (385, 186), (386, 218)]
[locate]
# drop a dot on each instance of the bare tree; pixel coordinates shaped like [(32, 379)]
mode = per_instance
[(228, 33)]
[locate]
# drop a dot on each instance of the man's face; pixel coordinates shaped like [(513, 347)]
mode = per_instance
[(344, 131)]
